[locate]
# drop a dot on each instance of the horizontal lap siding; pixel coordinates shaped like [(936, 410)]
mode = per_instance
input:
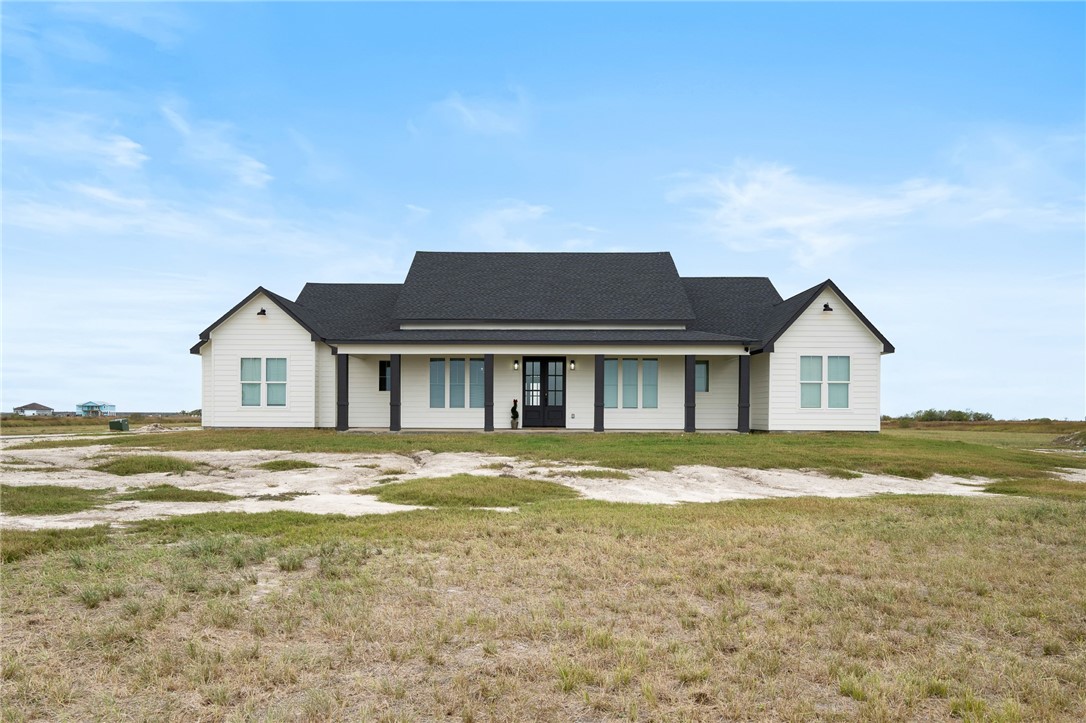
[(671, 400), (415, 398), (273, 335), (368, 405), (326, 385), (207, 396), (825, 333), (718, 408), (759, 390)]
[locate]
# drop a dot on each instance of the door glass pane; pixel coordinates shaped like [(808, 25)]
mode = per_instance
[(456, 383), (531, 384), (629, 383), (476, 390), (838, 396), (250, 395), (277, 370), (837, 369), (277, 395), (250, 370), (610, 383), (555, 386), (810, 396), (810, 368), (437, 383), (649, 370)]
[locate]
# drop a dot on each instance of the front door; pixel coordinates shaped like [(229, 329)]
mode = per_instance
[(544, 391)]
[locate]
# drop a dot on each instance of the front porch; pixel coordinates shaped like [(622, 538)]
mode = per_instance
[(626, 389)]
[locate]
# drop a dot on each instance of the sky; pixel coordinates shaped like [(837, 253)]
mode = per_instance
[(162, 161)]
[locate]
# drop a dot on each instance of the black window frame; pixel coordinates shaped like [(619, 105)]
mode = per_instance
[(384, 371)]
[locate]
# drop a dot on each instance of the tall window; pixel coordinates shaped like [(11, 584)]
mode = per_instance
[(810, 382), (456, 383), (277, 382), (838, 376), (629, 384), (701, 376), (384, 373), (477, 373), (437, 383), (254, 372), (250, 382), (649, 376), (610, 383)]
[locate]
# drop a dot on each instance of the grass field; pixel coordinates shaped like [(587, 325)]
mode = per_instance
[(16, 425), (883, 608)]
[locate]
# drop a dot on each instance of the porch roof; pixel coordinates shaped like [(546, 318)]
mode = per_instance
[(546, 336)]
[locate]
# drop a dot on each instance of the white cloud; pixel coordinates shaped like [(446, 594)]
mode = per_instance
[(486, 116), (207, 143), (501, 228), (75, 137), (163, 25)]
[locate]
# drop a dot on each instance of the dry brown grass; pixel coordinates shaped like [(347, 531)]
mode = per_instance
[(879, 609)]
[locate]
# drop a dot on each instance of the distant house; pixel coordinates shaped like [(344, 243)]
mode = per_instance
[(34, 410), (590, 341), (95, 409)]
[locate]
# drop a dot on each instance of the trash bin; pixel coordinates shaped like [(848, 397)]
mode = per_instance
[(118, 425)]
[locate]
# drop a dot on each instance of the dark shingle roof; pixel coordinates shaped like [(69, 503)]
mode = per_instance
[(543, 287), (731, 305), (350, 311), (786, 312), (33, 407), (552, 336)]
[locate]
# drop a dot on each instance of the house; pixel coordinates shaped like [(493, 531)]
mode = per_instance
[(593, 341), (34, 410), (95, 409)]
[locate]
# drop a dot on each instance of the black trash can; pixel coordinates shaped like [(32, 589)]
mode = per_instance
[(118, 425)]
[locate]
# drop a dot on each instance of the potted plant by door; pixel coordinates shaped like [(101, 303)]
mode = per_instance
[(514, 416)]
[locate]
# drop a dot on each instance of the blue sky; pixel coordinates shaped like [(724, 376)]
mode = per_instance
[(161, 161)]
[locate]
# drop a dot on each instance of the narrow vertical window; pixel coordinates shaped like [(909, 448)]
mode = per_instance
[(277, 382), (250, 382), (649, 373), (477, 376), (610, 383), (384, 370), (437, 384), (629, 384), (456, 383), (810, 378), (701, 376), (838, 375)]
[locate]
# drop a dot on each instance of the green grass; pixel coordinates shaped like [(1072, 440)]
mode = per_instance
[(47, 499), (595, 474), (465, 490), (145, 464), (17, 544), (908, 453), (285, 465), (1056, 488), (170, 493)]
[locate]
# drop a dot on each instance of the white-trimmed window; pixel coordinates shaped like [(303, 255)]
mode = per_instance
[(270, 373), (701, 376), (629, 384), (650, 371), (477, 378), (833, 372), (437, 384), (623, 373), (610, 383)]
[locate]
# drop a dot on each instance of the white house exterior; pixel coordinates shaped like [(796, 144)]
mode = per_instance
[(34, 410), (580, 341)]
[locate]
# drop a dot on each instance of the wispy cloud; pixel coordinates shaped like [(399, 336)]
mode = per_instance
[(161, 24), (502, 228), (755, 206), (208, 144), (486, 115), (74, 138)]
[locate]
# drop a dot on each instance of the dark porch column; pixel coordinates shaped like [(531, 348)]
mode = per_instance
[(341, 392), (394, 393), (744, 394), (488, 392), (597, 421), (689, 426)]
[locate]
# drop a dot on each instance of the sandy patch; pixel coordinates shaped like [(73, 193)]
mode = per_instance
[(1071, 475), (332, 488)]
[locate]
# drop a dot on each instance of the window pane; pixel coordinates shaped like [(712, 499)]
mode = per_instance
[(456, 383), (250, 370), (810, 396), (250, 395), (649, 370), (701, 376), (277, 395), (555, 383), (437, 383), (810, 368), (277, 370), (838, 395), (610, 383), (384, 369), (477, 391), (629, 383), (837, 369)]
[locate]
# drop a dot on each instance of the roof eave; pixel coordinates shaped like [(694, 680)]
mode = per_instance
[(205, 335), (887, 347)]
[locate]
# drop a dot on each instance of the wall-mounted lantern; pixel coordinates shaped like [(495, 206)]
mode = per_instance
[(572, 365), (516, 365)]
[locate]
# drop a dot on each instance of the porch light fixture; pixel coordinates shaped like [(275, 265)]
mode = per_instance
[(262, 312), (572, 365), (516, 364), (827, 307)]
